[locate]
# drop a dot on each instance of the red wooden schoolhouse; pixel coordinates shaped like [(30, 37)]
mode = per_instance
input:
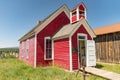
[(64, 38)]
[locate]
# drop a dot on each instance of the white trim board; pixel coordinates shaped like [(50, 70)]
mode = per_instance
[(70, 49), (70, 29), (45, 38), (35, 51)]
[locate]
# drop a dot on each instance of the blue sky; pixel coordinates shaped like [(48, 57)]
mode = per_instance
[(17, 17)]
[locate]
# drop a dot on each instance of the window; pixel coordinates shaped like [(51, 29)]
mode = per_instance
[(27, 48), (22, 49), (81, 37), (74, 13), (82, 12), (48, 48)]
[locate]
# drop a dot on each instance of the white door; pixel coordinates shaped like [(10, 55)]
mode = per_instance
[(91, 57)]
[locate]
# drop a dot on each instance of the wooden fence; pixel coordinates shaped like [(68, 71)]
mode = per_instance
[(108, 47), (8, 52)]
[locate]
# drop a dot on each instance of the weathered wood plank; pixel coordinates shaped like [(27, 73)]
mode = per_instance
[(99, 72), (108, 48)]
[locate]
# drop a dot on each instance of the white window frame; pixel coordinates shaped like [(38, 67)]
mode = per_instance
[(45, 49), (22, 50), (27, 48)]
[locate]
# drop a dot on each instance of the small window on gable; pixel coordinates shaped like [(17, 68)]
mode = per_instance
[(81, 37), (27, 49), (48, 48), (22, 49), (74, 13), (81, 12)]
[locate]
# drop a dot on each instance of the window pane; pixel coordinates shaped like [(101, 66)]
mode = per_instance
[(48, 49), (48, 43), (81, 37), (74, 13), (26, 53)]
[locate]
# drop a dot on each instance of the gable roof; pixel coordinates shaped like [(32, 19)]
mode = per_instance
[(107, 29), (45, 22), (69, 30)]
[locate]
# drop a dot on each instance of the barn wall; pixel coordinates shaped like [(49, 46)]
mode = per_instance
[(108, 48), (62, 53), (22, 56), (49, 30), (75, 45)]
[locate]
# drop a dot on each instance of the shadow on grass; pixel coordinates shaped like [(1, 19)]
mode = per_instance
[(99, 66)]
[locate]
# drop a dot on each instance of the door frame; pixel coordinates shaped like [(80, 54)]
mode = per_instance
[(85, 35)]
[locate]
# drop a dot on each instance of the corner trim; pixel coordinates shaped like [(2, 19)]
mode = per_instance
[(53, 52), (70, 49), (35, 48)]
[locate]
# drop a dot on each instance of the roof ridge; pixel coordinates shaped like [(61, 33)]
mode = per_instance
[(107, 29), (107, 26)]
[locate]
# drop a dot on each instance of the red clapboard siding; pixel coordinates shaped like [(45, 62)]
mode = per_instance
[(31, 50), (81, 7), (61, 53), (75, 61), (75, 45), (22, 56), (49, 30)]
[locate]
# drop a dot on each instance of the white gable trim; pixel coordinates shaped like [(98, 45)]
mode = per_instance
[(89, 30), (86, 26), (52, 17), (75, 27)]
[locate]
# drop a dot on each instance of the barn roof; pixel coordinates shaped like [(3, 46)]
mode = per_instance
[(107, 29), (40, 26), (69, 30)]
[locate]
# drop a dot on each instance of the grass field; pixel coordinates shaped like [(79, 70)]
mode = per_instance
[(13, 69), (109, 67)]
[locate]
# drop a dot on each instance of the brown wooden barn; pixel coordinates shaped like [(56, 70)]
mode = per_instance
[(108, 43)]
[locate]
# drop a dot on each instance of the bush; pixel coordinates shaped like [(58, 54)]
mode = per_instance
[(7, 55)]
